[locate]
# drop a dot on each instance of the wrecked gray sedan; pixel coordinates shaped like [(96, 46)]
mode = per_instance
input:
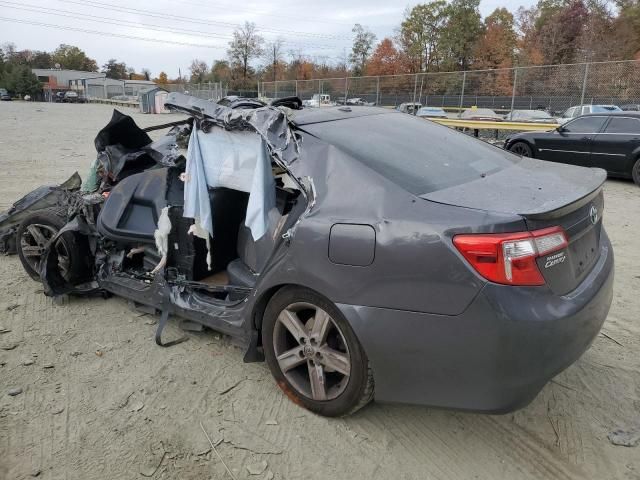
[(363, 253)]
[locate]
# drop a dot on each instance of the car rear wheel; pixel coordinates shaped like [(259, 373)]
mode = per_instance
[(314, 355), (521, 148), (635, 172), (34, 236)]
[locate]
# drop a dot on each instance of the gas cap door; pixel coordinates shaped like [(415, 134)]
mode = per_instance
[(352, 244)]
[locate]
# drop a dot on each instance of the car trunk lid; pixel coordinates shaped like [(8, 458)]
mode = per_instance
[(545, 195), (582, 222)]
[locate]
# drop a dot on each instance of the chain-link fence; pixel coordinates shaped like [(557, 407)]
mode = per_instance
[(554, 87), (207, 91)]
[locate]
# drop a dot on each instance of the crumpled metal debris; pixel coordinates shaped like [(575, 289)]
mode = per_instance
[(42, 197), (124, 149), (271, 123)]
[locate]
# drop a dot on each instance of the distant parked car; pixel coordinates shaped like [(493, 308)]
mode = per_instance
[(4, 95), (609, 141), (531, 116), (480, 114), (409, 107), (431, 112), (633, 107), (359, 101), (319, 100), (578, 110), (71, 97)]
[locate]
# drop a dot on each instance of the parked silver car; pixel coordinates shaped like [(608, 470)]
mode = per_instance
[(431, 112), (578, 110), (529, 116), (482, 114)]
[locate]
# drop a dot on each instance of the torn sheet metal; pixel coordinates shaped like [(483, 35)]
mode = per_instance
[(238, 161), (270, 123), (53, 282), (42, 197), (124, 149)]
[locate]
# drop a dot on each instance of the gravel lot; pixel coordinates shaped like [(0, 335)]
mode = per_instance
[(101, 400)]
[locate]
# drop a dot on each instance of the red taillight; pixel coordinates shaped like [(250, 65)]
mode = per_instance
[(510, 258)]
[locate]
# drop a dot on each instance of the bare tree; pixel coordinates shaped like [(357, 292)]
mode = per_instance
[(246, 45)]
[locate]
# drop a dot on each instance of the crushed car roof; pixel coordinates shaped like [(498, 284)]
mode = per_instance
[(270, 123), (308, 116)]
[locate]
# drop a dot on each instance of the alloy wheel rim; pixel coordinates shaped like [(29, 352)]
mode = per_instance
[(311, 351), (34, 242), (521, 150)]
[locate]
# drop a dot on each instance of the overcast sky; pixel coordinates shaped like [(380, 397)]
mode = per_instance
[(198, 28)]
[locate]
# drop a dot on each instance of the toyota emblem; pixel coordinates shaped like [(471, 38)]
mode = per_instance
[(593, 214)]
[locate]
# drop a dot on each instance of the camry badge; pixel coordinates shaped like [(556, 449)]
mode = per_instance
[(593, 214)]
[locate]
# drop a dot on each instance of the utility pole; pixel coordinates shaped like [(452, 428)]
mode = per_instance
[(275, 61), (513, 92)]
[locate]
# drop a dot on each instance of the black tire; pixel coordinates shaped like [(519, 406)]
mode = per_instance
[(635, 172), (49, 221), (359, 384), (521, 148)]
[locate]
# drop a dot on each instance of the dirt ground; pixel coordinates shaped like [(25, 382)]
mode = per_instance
[(100, 400)]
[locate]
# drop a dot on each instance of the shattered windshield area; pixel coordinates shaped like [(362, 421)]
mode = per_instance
[(419, 156)]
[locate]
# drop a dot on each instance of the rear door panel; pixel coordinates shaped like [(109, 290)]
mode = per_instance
[(612, 148), (573, 145)]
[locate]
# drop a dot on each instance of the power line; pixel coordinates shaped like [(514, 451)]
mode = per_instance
[(127, 23), (263, 14), (109, 6), (107, 34), (129, 37), (109, 20)]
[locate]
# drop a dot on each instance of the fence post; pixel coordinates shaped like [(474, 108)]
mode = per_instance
[(464, 80), (319, 93), (415, 88), (513, 92), (275, 89), (378, 91), (584, 82), (346, 89), (296, 87)]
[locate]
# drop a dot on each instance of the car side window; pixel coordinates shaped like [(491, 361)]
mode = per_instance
[(585, 110), (584, 125), (568, 113), (629, 126)]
